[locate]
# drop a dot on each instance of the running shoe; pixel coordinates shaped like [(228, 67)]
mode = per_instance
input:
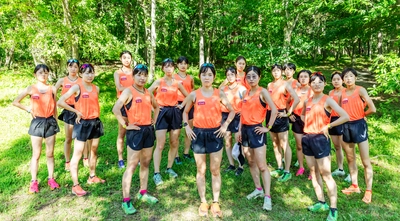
[(348, 179), (239, 171), (157, 179), (297, 164), (267, 204), (171, 173), (300, 171), (285, 177), (121, 164), (147, 198), (85, 162), (178, 161), (318, 207), (351, 190), (277, 173), (309, 177), (34, 187), (78, 191), (203, 209), (229, 169), (338, 172), (367, 197), (332, 216), (188, 158), (53, 184), (216, 210), (67, 166), (128, 208), (95, 179), (255, 194)]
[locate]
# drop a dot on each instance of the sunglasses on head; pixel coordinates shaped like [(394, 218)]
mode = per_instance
[(207, 65), (141, 66), (73, 60), (167, 60), (84, 66)]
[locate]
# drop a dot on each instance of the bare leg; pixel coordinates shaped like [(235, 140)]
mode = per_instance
[(78, 148), (201, 175), (277, 151), (68, 141), (36, 150), (160, 136), (316, 178), (351, 160), (173, 148), (368, 172), (50, 141), (145, 158), (228, 147), (93, 156), (254, 171), (133, 159), (284, 144), (299, 149), (261, 163), (324, 166), (188, 142), (215, 165), (120, 140), (337, 142)]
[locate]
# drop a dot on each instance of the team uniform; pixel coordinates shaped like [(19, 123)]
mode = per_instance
[(314, 142), (90, 126), (187, 84), (66, 115), (206, 120), (252, 115), (44, 124), (338, 130), (241, 80), (235, 99), (280, 99), (355, 130), (139, 113), (298, 124), (170, 117), (125, 80)]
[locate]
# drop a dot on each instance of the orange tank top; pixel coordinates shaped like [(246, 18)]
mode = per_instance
[(43, 104), (316, 116), (253, 112), (67, 84), (353, 104), (335, 98), (303, 96), (187, 84), (242, 80), (234, 98), (87, 103), (167, 95), (139, 112), (278, 95), (207, 110), (125, 80)]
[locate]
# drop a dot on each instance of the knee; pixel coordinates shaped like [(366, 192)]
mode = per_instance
[(50, 154), (174, 143), (215, 171), (367, 163), (299, 148), (263, 168), (201, 174), (68, 140)]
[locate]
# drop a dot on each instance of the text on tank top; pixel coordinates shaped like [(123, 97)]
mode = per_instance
[(316, 116), (336, 99), (207, 110), (87, 102), (303, 96), (125, 80), (167, 95), (43, 104), (67, 84), (187, 84), (253, 112), (278, 96), (139, 112), (234, 98), (353, 104)]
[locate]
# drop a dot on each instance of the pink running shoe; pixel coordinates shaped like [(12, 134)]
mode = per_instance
[(95, 179), (78, 191), (53, 184), (34, 187), (300, 171)]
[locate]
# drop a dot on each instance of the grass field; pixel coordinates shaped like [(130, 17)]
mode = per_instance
[(179, 199)]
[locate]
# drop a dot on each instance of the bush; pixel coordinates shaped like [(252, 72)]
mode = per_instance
[(387, 74)]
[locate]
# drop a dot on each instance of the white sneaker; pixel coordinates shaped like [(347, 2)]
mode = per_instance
[(255, 194), (348, 179), (337, 172), (267, 204)]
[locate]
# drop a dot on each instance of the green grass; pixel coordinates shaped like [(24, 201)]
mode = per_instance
[(179, 199)]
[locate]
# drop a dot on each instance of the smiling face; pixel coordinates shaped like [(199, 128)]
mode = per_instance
[(126, 60), (207, 78), (140, 78), (88, 76)]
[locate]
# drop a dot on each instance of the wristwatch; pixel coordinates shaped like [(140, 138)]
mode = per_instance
[(185, 124)]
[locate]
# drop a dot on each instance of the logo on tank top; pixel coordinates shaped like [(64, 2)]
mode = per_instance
[(68, 86), (164, 89), (138, 100), (85, 95), (308, 108), (201, 102), (244, 101), (180, 82), (270, 91), (124, 78), (345, 101), (35, 96), (238, 80)]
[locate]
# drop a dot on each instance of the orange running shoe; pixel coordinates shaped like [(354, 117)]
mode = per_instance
[(203, 209), (95, 179), (351, 190), (367, 197), (216, 210), (78, 191)]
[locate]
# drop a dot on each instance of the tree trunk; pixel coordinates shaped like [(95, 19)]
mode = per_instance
[(288, 30), (153, 41), (147, 28), (9, 57), (380, 43), (128, 23), (201, 33), (72, 46)]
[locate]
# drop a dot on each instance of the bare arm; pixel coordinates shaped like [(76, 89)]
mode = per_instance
[(294, 96), (125, 97), (154, 86), (59, 83), (118, 85), (22, 95), (189, 100), (371, 106), (74, 90), (183, 90), (224, 100), (54, 90), (274, 111), (224, 83)]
